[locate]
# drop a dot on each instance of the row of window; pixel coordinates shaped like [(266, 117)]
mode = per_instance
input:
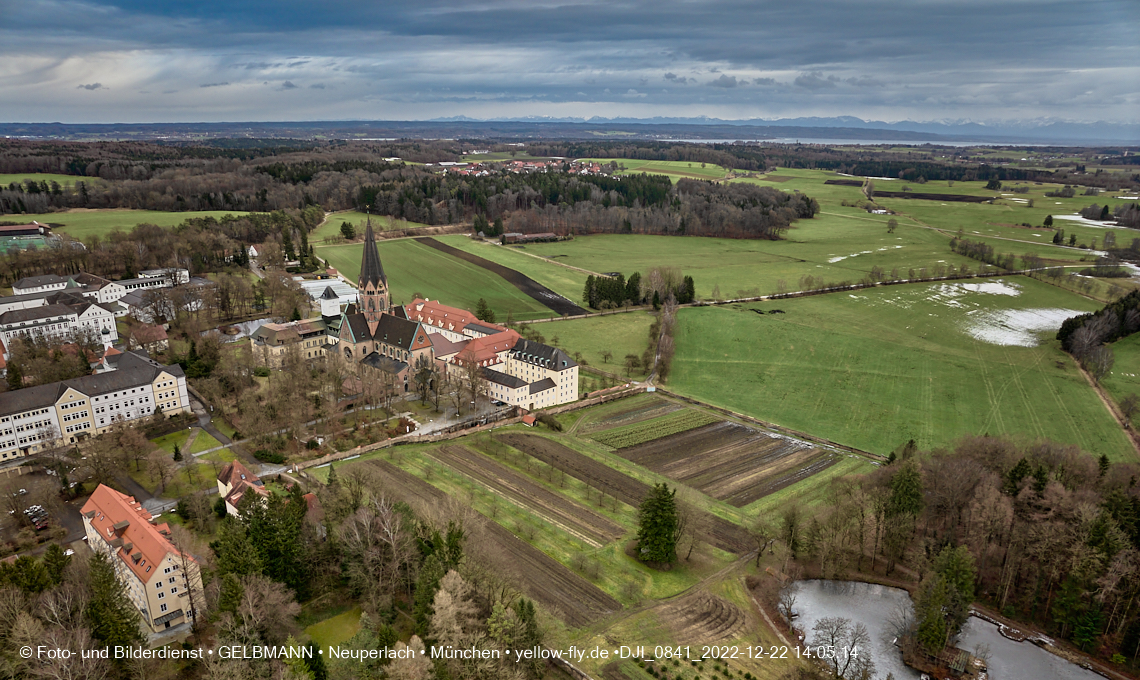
[(72, 404), (78, 426)]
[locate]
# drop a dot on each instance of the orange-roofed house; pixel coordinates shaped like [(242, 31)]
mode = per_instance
[(234, 481), (162, 582)]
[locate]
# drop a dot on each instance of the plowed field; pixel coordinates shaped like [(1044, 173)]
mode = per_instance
[(642, 408), (558, 510), (730, 462), (563, 593), (721, 534), (702, 618)]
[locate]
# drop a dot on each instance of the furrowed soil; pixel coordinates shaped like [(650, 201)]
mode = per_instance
[(731, 462), (563, 512), (524, 283), (561, 591), (634, 413), (722, 534), (703, 618)]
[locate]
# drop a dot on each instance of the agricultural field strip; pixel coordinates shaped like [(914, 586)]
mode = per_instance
[(568, 515), (731, 462), (572, 598), (722, 534), (657, 428), (627, 416)]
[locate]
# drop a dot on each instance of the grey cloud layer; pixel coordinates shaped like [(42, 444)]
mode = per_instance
[(915, 59)]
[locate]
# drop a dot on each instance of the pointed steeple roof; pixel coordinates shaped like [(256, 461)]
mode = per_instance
[(329, 294), (371, 271)]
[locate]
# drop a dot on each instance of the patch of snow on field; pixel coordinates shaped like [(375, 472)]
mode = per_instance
[(1087, 222), (992, 287), (1017, 327), (837, 259)]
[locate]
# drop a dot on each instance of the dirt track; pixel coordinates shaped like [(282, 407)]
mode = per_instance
[(517, 279), (721, 533), (562, 592), (730, 462), (573, 517)]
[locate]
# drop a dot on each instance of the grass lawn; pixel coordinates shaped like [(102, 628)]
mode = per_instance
[(330, 228), (335, 630), (204, 441), (84, 224), (415, 268), (569, 283), (201, 477), (621, 334), (877, 368), (220, 456), (223, 426), (167, 441)]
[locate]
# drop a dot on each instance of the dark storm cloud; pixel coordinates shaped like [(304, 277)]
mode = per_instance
[(923, 59)]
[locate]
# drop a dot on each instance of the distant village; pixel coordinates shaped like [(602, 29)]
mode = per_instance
[(485, 169)]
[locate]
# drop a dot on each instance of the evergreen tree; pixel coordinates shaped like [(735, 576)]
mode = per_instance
[(932, 600), (296, 667), (334, 479), (29, 575), (657, 526), (110, 614), (287, 245), (347, 230), (177, 452), (589, 295), (236, 553), (274, 527), (15, 377), (296, 315), (906, 492), (1015, 475), (497, 229), (483, 311), (55, 562), (316, 663), (1103, 464), (1048, 221), (633, 288), (230, 593)]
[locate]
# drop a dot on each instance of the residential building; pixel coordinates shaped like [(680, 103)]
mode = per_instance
[(131, 386), (234, 481), (163, 582), (60, 320)]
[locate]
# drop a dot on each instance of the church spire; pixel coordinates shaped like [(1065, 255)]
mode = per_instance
[(373, 284), (371, 271)]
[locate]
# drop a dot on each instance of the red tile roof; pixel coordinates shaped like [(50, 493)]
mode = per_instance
[(127, 526)]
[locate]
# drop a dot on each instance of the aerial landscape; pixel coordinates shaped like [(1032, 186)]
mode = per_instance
[(593, 341)]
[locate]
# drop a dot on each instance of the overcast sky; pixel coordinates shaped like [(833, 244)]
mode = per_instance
[(215, 60)]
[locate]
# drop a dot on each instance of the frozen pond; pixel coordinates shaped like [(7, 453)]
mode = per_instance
[(874, 606)]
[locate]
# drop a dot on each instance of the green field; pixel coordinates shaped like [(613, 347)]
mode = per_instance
[(330, 228), (882, 366), (84, 224), (620, 334), (1125, 377), (62, 180), (414, 268), (674, 169), (563, 280)]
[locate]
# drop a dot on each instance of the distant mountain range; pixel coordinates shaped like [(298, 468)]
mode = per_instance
[(614, 129)]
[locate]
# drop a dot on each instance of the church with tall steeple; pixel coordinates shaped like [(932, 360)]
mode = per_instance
[(373, 297)]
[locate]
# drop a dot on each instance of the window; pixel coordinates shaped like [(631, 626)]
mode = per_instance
[(174, 590), (161, 607), (158, 584), (161, 595), (172, 579)]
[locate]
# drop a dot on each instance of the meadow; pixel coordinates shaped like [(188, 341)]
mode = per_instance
[(84, 224), (62, 180), (1125, 376), (675, 170), (877, 368), (330, 228), (414, 269), (619, 334), (569, 283)]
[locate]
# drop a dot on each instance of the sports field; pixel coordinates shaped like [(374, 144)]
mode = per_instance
[(413, 268), (330, 228), (875, 368), (83, 224)]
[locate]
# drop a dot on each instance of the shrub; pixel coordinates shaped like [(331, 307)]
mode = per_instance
[(220, 507), (550, 421), (261, 371), (266, 456)]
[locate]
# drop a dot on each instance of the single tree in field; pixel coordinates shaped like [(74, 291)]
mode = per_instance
[(632, 363), (1048, 221), (892, 224), (606, 356), (347, 230), (657, 526)]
